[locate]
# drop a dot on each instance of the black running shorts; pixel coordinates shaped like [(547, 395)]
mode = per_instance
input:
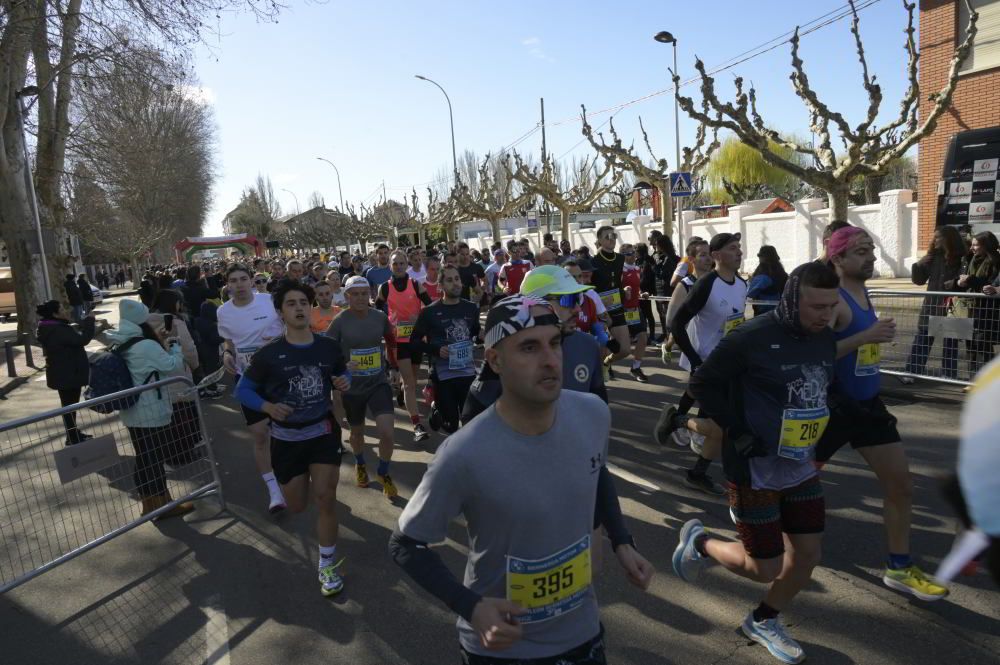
[(863, 424), (292, 458)]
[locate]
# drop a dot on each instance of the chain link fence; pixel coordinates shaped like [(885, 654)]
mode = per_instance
[(59, 499)]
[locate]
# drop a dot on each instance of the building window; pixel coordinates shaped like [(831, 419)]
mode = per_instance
[(985, 52)]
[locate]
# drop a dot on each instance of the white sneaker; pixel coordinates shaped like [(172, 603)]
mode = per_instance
[(771, 634), (697, 443), (687, 562), (681, 437), (277, 504)]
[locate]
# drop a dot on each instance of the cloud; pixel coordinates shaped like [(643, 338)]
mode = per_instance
[(201, 94), (535, 50)]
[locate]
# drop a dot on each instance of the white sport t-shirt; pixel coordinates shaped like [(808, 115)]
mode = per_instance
[(249, 327)]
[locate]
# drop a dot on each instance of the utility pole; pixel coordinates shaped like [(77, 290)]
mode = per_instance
[(545, 205)]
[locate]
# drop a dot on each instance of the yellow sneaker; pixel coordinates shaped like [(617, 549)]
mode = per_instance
[(361, 472), (388, 487), (914, 581)]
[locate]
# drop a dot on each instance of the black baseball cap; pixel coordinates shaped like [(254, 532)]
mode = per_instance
[(720, 240)]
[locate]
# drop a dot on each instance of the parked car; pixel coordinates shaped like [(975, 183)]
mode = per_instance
[(7, 304)]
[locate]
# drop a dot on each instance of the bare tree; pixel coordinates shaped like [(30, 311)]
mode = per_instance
[(444, 213), (496, 197), (51, 40), (656, 174), (258, 210), (543, 181), (316, 200), (148, 146), (867, 149)]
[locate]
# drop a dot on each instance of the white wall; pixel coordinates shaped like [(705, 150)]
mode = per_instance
[(796, 235)]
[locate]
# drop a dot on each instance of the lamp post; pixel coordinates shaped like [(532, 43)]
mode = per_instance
[(31, 91), (451, 119), (665, 37), (294, 197), (340, 192)]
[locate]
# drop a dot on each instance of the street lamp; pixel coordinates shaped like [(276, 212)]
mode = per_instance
[(451, 119), (337, 171), (32, 91), (294, 197), (665, 37)]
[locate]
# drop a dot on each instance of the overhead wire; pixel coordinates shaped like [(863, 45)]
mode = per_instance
[(809, 27)]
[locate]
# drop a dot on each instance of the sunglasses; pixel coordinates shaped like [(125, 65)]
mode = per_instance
[(260, 281), (567, 300), (628, 253)]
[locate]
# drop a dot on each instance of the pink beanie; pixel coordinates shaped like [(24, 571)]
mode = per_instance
[(842, 239)]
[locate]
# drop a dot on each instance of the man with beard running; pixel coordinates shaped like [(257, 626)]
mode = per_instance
[(861, 417), (527, 597), (246, 322), (446, 331), (766, 385), (404, 298), (291, 379)]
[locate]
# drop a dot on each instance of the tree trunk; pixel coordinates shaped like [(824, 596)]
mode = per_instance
[(495, 228), (838, 199), (564, 220), (873, 187), (666, 212)]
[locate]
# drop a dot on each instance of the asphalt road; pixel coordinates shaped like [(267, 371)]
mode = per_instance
[(237, 586)]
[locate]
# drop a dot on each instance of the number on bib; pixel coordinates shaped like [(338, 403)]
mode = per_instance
[(404, 330), (632, 317), (801, 429), (732, 322), (551, 586), (243, 356), (368, 362), (612, 299), (869, 357), (460, 354)]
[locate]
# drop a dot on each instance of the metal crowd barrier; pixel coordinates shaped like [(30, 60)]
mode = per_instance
[(58, 501), (940, 336)]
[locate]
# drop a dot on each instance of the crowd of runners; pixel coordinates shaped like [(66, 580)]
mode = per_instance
[(316, 345)]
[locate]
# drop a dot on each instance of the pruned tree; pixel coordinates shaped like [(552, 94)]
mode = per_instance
[(316, 200), (444, 214), (656, 174), (867, 149), (543, 181), (495, 198)]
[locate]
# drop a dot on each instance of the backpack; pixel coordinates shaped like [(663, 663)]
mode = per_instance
[(109, 374)]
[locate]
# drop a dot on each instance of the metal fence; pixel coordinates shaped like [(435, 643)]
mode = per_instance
[(940, 336), (59, 499)]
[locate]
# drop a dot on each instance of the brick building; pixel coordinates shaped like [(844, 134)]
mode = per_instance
[(974, 105)]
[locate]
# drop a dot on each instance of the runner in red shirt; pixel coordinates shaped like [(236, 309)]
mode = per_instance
[(631, 278)]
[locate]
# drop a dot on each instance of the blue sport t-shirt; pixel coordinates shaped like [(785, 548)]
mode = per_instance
[(300, 376)]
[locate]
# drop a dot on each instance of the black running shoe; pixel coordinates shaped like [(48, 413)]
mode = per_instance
[(703, 482), (665, 425), (419, 433), (435, 420), (639, 375)]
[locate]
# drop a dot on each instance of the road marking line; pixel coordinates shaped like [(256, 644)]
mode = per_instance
[(632, 478), (216, 632)]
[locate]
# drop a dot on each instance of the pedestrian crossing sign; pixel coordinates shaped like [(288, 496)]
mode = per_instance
[(680, 184)]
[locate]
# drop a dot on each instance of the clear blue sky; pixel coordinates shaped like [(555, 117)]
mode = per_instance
[(337, 80)]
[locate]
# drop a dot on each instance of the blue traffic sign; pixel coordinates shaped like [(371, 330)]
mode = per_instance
[(680, 184)]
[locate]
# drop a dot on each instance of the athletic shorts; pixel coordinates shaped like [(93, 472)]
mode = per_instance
[(378, 402), (292, 458), (763, 515), (405, 352), (636, 330), (863, 424), (617, 318), (591, 652)]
